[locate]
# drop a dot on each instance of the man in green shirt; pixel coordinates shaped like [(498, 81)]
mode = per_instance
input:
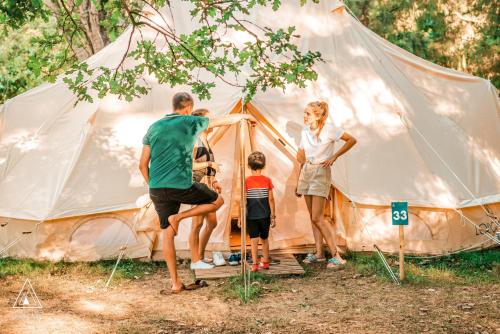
[(167, 166)]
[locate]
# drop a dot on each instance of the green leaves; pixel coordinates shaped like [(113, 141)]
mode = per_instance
[(271, 56), (16, 13), (199, 59)]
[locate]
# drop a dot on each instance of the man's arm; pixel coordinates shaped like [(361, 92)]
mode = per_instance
[(144, 162), (229, 120)]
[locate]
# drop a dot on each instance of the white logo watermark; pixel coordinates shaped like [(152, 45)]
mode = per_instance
[(27, 297)]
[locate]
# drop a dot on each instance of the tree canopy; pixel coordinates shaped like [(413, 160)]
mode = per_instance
[(83, 27), (42, 39)]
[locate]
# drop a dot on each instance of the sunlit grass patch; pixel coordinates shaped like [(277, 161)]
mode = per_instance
[(127, 268), (236, 287), (462, 268)]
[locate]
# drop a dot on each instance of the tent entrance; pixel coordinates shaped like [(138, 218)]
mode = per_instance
[(235, 236), (246, 140)]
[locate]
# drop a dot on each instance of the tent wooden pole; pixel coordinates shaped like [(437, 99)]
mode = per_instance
[(243, 207), (401, 252), (251, 136)]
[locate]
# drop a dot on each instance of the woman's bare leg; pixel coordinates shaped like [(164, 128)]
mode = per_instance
[(326, 229), (211, 220), (194, 238), (318, 237)]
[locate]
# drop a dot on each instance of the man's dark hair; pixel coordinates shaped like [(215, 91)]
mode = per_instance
[(200, 112), (182, 100), (256, 160)]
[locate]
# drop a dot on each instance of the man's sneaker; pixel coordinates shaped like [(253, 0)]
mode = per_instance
[(218, 259), (234, 259), (201, 265)]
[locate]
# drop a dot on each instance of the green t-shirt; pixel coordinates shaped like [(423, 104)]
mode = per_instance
[(172, 140)]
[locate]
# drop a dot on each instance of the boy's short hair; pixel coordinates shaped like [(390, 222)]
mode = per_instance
[(256, 160), (181, 100), (200, 112)]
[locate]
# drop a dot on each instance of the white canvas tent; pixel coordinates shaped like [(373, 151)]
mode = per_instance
[(69, 182)]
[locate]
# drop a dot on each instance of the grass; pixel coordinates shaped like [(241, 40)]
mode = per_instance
[(481, 267), (127, 269), (236, 289)]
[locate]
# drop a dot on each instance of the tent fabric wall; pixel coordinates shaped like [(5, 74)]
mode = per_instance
[(82, 238), (431, 230), (426, 134)]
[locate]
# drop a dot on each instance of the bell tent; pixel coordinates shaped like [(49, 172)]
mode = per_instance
[(70, 187)]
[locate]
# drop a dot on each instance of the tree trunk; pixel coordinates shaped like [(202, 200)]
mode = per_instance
[(90, 18), (94, 35)]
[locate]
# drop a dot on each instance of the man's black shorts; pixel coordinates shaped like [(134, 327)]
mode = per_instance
[(259, 228), (168, 201)]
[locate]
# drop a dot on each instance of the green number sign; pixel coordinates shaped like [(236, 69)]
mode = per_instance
[(399, 213)]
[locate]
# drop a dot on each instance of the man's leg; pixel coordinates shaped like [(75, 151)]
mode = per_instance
[(194, 238), (197, 210), (169, 256), (211, 219)]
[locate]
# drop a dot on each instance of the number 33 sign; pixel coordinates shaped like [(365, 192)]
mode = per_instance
[(399, 213)]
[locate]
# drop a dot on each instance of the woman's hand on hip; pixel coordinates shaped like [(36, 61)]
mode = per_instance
[(329, 162)]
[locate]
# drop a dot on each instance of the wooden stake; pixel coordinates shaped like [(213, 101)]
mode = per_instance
[(243, 207), (401, 252)]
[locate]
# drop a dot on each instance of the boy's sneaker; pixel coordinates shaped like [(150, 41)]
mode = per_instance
[(218, 259), (201, 265), (233, 259), (264, 265)]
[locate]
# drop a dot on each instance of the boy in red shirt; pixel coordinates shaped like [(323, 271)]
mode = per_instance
[(260, 209)]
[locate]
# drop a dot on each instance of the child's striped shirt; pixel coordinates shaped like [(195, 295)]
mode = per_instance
[(257, 190)]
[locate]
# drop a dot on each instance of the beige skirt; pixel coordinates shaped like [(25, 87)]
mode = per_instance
[(314, 180)]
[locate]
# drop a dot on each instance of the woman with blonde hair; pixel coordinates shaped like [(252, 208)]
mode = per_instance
[(316, 155)]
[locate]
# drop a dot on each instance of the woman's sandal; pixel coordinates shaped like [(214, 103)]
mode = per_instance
[(311, 258), (335, 263)]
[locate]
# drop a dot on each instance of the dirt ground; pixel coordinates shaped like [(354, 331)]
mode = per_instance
[(324, 301)]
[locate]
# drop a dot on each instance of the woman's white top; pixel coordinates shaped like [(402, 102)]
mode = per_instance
[(320, 149)]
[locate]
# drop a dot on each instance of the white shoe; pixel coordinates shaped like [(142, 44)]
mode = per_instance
[(218, 259), (201, 265)]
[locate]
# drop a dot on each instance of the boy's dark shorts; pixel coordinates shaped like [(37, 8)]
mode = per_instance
[(168, 201), (259, 228)]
